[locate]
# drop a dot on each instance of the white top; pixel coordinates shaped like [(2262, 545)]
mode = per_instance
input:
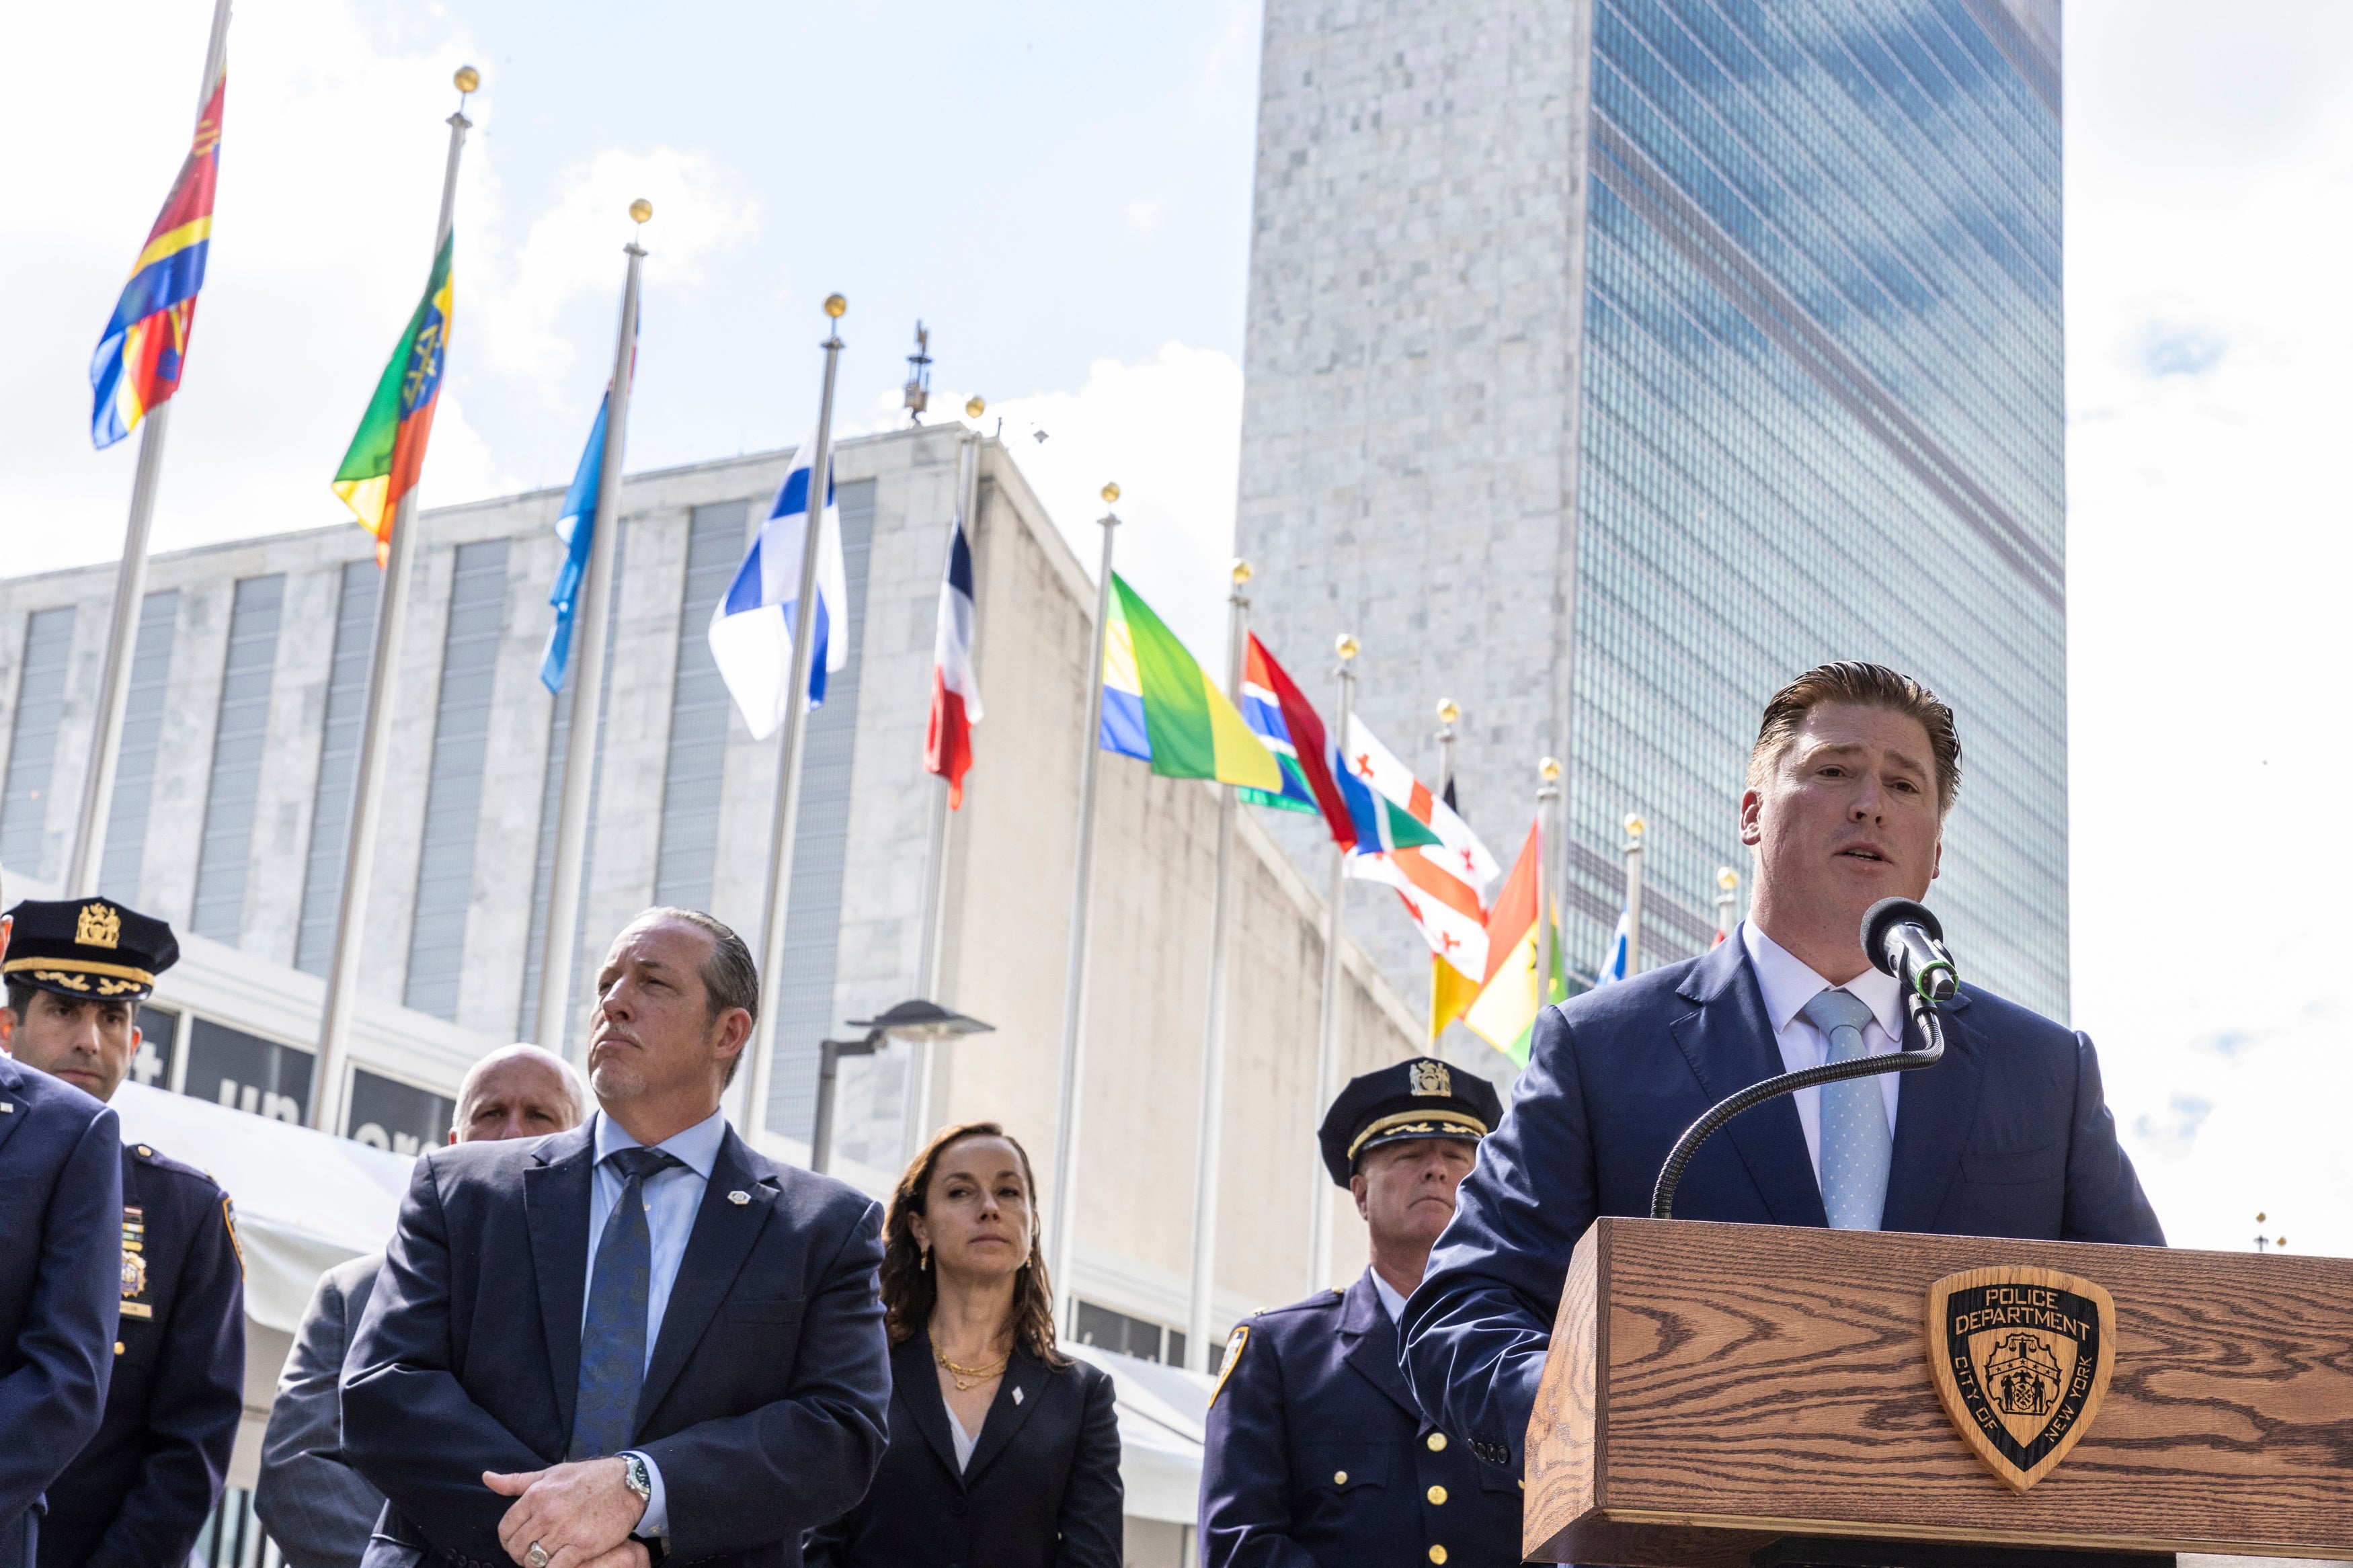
[(1390, 1301), (1787, 984), (962, 1439)]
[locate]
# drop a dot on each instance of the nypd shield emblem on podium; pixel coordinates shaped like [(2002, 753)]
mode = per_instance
[(2020, 1358)]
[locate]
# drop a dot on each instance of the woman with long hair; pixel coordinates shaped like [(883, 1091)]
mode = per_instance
[(1004, 1452)]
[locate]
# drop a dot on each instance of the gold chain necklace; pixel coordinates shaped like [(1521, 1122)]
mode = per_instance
[(967, 1376)]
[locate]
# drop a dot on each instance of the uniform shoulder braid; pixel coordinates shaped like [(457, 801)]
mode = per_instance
[(1322, 1300), (148, 1154)]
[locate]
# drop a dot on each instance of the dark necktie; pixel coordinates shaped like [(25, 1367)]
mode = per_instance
[(613, 1336)]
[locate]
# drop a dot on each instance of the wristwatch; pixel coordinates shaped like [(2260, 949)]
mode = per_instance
[(633, 1471)]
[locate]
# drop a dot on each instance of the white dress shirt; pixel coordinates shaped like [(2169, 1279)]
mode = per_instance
[(673, 1197), (1393, 1303), (1787, 984)]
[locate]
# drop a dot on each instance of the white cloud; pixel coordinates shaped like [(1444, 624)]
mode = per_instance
[(572, 253)]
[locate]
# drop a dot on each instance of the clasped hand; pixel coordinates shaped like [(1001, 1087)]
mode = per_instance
[(580, 1515)]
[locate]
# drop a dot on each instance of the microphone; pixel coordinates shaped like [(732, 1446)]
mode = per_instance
[(1904, 942)]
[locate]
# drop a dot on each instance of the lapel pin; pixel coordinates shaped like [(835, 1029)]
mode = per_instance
[(1017, 1396), (7, 1108), (739, 1196)]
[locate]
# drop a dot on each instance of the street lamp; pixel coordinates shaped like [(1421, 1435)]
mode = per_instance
[(907, 1021)]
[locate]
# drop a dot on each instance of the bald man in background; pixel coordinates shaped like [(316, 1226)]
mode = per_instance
[(314, 1505)]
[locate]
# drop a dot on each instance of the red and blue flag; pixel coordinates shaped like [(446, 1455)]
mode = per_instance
[(140, 356)]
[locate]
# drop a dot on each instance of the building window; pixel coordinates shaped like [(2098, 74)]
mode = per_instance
[(453, 789), (248, 1073), (33, 748), (697, 715), (227, 845), (1139, 1336), (551, 806), (338, 762), (158, 1038), (812, 921), (400, 1117), (134, 764)]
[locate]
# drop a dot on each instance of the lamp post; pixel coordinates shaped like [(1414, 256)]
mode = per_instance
[(921, 1021)]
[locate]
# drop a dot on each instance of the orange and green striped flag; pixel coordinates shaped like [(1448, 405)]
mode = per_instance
[(389, 452)]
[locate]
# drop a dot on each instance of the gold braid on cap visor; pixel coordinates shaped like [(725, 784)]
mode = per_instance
[(1420, 1123), (78, 966)]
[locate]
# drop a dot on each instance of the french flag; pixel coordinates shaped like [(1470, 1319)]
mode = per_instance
[(752, 628), (956, 691)]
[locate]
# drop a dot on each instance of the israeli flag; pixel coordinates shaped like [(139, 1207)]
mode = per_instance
[(1615, 970), (751, 626)]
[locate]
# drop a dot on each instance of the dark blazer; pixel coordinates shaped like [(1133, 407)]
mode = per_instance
[(1042, 1490), (1316, 1454), (2007, 1136), (765, 1398), (140, 1492), (317, 1508), (60, 1289)]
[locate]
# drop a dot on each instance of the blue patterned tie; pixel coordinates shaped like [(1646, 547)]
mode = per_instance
[(1856, 1144), (613, 1338)]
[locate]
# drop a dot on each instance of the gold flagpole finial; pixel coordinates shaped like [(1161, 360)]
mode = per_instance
[(835, 305), (640, 210), (975, 406), (467, 78)]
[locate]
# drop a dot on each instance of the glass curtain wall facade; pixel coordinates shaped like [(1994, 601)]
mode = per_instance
[(1820, 417)]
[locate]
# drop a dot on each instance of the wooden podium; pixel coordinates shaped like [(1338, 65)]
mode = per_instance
[(1723, 1394)]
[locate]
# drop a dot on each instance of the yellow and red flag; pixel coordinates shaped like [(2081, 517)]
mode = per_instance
[(145, 343)]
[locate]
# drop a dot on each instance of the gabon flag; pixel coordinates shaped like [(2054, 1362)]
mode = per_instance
[(1505, 1012), (1158, 705), (145, 345), (388, 454)]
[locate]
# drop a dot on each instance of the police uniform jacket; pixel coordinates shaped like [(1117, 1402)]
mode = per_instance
[(60, 1267), (1316, 1453), (139, 1493)]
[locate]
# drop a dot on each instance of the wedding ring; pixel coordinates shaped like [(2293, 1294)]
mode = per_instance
[(537, 1556)]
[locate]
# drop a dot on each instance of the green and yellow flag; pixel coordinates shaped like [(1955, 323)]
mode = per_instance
[(1159, 706), (388, 453)]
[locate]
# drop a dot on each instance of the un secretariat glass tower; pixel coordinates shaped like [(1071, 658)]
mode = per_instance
[(1610, 362)]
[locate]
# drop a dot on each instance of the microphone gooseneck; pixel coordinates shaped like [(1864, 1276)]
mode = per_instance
[(1902, 940)]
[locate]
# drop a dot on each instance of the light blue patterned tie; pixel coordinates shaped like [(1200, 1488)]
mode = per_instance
[(612, 1335), (1856, 1144)]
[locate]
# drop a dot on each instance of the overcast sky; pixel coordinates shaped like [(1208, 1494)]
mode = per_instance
[(1062, 190)]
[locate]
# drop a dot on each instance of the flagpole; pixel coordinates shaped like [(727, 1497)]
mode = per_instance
[(1199, 1319), (1547, 793), (935, 855), (129, 586), (375, 731), (1327, 1034), (1634, 827), (587, 676), (1728, 901), (1447, 714), (763, 1045), (1074, 979)]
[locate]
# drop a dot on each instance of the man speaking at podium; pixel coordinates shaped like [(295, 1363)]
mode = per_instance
[(1853, 771)]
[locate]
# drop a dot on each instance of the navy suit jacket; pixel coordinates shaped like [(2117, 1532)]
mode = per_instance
[(1317, 1457), (764, 1399), (60, 1287), (143, 1490), (1042, 1490), (2007, 1136)]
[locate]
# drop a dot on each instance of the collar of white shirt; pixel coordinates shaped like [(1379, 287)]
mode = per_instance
[(697, 1147), (1391, 1302), (1787, 984)]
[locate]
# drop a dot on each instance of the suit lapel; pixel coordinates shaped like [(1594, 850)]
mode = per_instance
[(1023, 1390), (722, 1239), (1730, 1044), (556, 1188), (1935, 1109), (919, 1397), (1372, 1344), (18, 1108)]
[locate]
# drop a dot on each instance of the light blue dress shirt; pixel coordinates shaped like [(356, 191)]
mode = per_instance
[(673, 1197), (1786, 984)]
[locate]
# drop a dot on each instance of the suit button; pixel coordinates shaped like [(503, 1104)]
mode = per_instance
[(1437, 1495), (118, 1347), (1437, 1442), (1339, 1478), (1438, 1554)]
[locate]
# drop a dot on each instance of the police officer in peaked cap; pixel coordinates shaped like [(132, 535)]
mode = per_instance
[(1315, 1451), (136, 1496)]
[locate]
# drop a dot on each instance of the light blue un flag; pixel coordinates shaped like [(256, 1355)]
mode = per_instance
[(576, 526)]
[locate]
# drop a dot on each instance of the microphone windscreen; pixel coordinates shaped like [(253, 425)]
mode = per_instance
[(1882, 917)]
